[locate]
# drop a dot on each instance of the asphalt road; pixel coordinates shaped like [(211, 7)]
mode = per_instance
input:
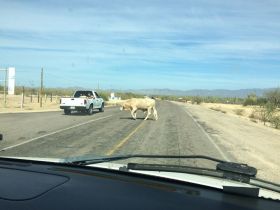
[(113, 132)]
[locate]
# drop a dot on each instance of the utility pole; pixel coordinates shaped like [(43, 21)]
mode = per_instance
[(41, 89)]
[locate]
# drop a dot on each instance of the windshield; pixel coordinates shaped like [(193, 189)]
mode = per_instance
[(170, 78)]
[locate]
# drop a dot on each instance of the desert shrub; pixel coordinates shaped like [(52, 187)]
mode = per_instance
[(273, 97), (261, 101), (254, 115), (250, 100), (267, 112), (275, 121), (239, 111), (104, 95), (197, 100)]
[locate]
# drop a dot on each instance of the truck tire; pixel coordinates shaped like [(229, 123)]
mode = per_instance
[(101, 109), (90, 110), (67, 111)]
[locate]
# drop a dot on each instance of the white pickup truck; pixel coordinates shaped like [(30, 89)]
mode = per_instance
[(84, 101)]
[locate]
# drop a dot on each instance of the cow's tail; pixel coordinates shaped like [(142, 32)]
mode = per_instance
[(155, 112)]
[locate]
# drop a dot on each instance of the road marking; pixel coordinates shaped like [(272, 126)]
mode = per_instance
[(124, 140), (55, 132), (208, 136)]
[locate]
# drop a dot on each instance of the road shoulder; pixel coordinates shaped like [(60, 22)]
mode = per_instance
[(246, 141)]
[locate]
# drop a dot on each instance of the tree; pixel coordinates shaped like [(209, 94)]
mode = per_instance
[(250, 100), (274, 97)]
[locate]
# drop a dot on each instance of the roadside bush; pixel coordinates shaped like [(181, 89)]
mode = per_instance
[(275, 121), (254, 115), (273, 97), (197, 100), (239, 111), (261, 101), (267, 112), (250, 100), (129, 95), (104, 95)]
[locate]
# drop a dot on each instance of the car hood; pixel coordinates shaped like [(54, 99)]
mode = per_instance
[(213, 182)]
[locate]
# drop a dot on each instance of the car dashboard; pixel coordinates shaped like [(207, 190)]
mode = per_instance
[(39, 185)]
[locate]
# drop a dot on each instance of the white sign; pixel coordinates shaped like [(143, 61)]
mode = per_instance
[(11, 80)]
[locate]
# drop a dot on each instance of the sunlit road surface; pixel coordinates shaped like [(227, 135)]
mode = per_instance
[(112, 132)]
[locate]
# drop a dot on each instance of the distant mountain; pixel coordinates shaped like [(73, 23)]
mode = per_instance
[(242, 93)]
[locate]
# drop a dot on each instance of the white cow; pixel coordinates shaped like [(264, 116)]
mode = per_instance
[(144, 104)]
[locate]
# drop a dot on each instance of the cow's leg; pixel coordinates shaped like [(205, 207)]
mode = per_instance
[(149, 113), (133, 113), (155, 113)]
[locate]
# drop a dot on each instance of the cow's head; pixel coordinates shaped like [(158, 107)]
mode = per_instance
[(124, 106)]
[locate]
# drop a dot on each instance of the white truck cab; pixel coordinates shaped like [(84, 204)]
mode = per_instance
[(84, 101)]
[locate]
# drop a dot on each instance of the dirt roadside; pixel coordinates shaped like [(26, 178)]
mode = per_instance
[(242, 140)]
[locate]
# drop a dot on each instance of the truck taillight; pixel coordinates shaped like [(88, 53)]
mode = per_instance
[(85, 101)]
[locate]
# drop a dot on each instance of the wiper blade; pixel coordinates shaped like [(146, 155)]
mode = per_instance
[(224, 169), (174, 168), (238, 172), (81, 161), (234, 171)]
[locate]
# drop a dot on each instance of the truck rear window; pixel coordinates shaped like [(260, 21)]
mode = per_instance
[(82, 93)]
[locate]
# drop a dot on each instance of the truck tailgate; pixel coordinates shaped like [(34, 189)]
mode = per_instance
[(73, 102)]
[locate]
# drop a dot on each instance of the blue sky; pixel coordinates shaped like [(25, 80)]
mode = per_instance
[(143, 44)]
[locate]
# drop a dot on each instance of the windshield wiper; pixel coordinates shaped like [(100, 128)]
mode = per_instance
[(224, 169), (83, 161), (229, 170)]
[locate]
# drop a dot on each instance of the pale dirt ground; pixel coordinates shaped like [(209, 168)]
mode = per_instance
[(245, 141)]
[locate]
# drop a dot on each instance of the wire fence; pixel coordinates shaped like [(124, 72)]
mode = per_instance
[(30, 101)]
